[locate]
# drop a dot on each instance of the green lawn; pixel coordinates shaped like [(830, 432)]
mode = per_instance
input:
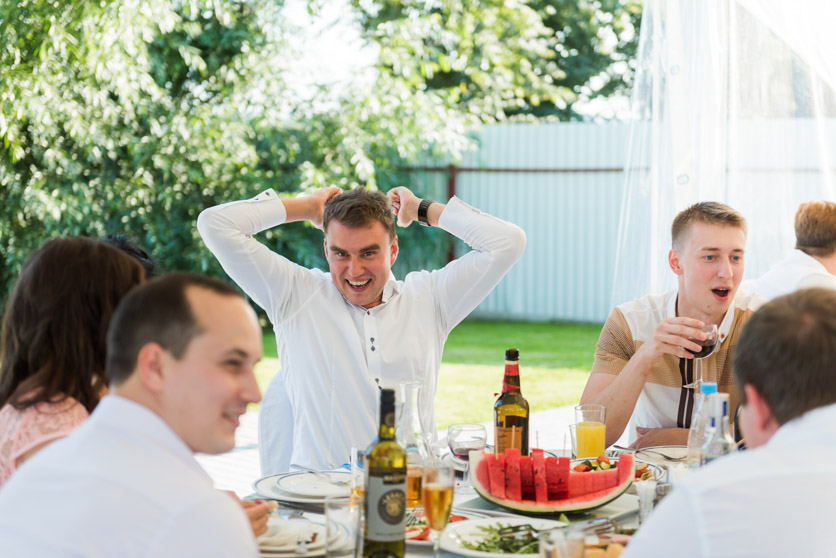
[(555, 359)]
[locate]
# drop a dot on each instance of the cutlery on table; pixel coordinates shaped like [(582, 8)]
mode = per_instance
[(654, 452), (320, 474)]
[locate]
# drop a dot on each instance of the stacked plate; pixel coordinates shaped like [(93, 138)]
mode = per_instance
[(299, 538), (305, 487)]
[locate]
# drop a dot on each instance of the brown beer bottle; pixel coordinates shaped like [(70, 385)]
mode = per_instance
[(511, 409)]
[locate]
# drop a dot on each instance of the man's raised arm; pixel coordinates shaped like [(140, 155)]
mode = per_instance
[(228, 231), (496, 246)]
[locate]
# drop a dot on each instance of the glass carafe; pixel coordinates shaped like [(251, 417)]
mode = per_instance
[(412, 437)]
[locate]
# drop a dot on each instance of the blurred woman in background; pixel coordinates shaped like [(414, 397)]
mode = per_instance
[(52, 352)]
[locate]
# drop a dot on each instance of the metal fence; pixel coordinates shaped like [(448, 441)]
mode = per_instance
[(562, 183)]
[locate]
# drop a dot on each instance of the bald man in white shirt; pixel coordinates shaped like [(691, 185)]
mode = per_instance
[(180, 357)]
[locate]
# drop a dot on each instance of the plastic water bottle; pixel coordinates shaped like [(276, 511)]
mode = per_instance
[(700, 423), (720, 442)]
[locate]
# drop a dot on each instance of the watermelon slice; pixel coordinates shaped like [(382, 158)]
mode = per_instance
[(496, 472), (527, 477), (513, 488), (578, 491), (538, 466)]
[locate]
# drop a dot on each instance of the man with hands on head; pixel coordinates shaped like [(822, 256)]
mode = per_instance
[(343, 334), (641, 366)]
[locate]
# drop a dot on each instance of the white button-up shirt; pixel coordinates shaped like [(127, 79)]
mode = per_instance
[(772, 501), (334, 355), (796, 271), (122, 484)]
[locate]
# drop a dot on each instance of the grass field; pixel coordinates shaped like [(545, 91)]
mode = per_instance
[(555, 359)]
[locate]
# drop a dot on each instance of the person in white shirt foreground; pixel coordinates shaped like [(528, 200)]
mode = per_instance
[(344, 334), (813, 261), (180, 355), (641, 366), (772, 500)]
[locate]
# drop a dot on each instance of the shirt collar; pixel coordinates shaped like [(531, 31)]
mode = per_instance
[(139, 422), (390, 289)]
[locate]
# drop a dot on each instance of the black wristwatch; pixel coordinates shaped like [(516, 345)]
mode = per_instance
[(422, 212)]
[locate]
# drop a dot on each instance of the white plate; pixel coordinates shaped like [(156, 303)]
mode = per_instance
[(451, 539), (672, 451), (267, 487), (420, 529), (292, 529), (658, 472), (311, 485)]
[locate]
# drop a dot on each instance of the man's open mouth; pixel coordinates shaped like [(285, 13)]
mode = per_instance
[(358, 284), (722, 293)]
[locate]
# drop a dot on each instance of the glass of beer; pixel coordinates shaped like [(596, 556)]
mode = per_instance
[(414, 472), (437, 488), (590, 430)]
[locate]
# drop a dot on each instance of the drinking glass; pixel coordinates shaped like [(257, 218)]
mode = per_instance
[(358, 468), (343, 519), (590, 430), (562, 543), (437, 489), (708, 347), (462, 438)]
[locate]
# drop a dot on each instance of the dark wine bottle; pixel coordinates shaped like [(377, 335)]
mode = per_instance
[(385, 502), (511, 409)]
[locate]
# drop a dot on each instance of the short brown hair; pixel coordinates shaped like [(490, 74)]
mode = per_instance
[(56, 320), (710, 213), (157, 312), (360, 207), (787, 351), (815, 228)]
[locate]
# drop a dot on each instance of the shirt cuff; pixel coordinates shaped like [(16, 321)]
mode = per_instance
[(455, 214), (270, 207)]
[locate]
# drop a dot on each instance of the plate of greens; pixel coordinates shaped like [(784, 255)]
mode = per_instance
[(480, 537)]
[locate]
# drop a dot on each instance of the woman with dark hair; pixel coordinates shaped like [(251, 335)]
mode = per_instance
[(127, 245), (52, 353)]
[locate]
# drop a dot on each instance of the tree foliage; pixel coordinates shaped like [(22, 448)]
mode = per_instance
[(131, 116)]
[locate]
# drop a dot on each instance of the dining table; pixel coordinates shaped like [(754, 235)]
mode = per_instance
[(467, 503)]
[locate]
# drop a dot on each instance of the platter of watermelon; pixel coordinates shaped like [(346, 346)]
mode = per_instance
[(537, 484)]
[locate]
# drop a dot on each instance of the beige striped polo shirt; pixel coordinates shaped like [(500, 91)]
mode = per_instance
[(664, 401)]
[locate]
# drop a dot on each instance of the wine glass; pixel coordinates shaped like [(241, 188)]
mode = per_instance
[(708, 346), (462, 438), (437, 490)]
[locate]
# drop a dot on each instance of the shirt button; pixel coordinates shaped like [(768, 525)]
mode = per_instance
[(372, 339), (372, 348), (368, 312)]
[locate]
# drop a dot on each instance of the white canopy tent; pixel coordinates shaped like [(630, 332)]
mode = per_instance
[(734, 101)]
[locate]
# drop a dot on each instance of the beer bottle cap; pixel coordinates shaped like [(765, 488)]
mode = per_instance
[(512, 354)]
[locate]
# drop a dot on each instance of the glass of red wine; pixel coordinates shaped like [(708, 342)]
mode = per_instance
[(708, 346), (462, 438)]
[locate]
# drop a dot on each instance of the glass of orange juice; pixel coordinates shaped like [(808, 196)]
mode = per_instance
[(590, 430)]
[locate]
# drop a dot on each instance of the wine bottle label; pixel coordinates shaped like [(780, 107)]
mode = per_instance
[(511, 433), (386, 507)]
